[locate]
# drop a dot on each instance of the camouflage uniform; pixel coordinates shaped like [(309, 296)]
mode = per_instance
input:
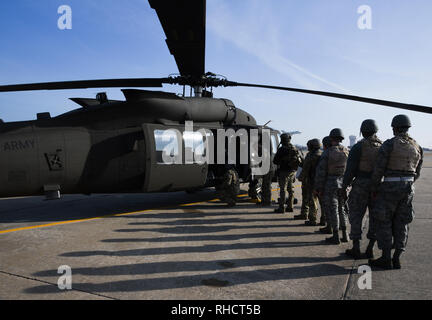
[(253, 189), (310, 201), (287, 160), (266, 180), (306, 205), (326, 143), (360, 165), (266, 188), (323, 218), (285, 180), (399, 161), (229, 188), (328, 179)]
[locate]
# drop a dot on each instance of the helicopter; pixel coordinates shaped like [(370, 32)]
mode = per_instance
[(118, 146)]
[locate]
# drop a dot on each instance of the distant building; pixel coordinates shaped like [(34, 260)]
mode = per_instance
[(353, 140)]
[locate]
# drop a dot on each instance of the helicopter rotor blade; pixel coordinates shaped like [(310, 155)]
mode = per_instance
[(86, 84), (393, 104), (184, 24)]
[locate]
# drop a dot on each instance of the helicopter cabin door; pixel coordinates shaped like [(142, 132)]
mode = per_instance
[(171, 159)]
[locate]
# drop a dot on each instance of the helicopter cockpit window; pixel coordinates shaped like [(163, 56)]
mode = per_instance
[(167, 145)]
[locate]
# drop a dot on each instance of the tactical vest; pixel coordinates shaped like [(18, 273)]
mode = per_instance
[(369, 152), (314, 159), (338, 156), (405, 156), (288, 158)]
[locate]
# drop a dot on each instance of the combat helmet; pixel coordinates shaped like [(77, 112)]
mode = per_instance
[(285, 138), (369, 126), (337, 133), (326, 142), (401, 121), (314, 144)]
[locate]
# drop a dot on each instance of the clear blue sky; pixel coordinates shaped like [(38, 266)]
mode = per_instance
[(312, 44)]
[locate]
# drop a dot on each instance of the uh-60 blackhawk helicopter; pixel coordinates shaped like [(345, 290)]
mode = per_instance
[(115, 146)]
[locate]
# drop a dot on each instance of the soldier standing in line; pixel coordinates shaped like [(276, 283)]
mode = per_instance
[(326, 142), (399, 161), (360, 165), (253, 189), (229, 186), (287, 159), (266, 188), (267, 179), (309, 199), (328, 183)]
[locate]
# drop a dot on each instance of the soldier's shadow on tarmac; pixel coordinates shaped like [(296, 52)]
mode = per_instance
[(224, 278), (196, 224)]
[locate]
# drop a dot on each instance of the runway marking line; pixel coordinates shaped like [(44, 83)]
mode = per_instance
[(108, 216)]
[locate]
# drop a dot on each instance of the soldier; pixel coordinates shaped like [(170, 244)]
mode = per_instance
[(266, 180), (328, 182), (254, 186), (266, 188), (229, 187), (287, 160), (399, 161), (326, 142), (361, 162), (310, 200)]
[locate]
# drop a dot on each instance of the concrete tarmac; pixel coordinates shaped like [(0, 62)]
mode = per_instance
[(183, 246)]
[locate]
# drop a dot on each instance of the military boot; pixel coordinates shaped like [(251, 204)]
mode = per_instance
[(326, 230), (311, 223), (384, 262), (369, 251), (322, 220), (396, 259), (345, 237), (335, 239), (355, 251)]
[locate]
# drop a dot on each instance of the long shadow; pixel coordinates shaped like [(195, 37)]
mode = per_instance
[(207, 222), (226, 278), (189, 266), (192, 212), (210, 237), (191, 249), (207, 229)]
